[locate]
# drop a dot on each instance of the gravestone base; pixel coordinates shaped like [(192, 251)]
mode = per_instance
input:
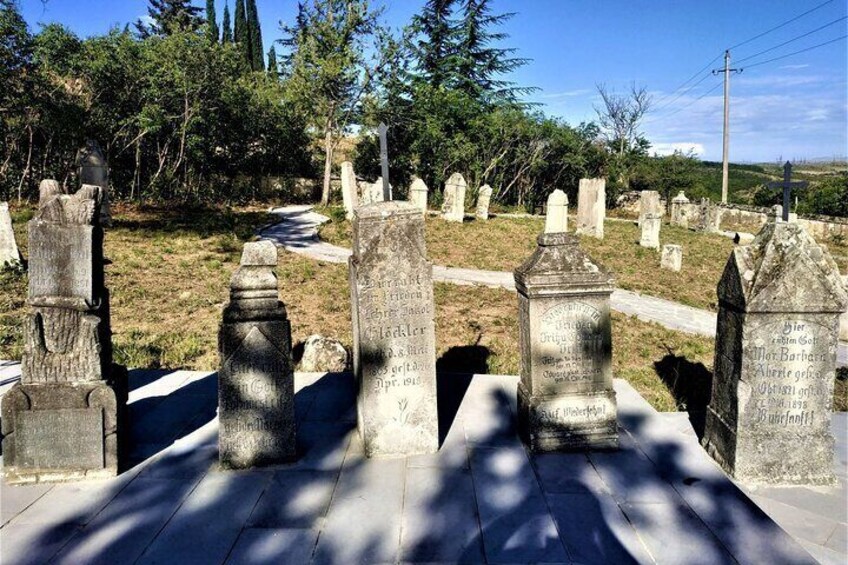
[(567, 422), (58, 432)]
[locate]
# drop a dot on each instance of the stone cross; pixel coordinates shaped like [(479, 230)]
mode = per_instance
[(787, 185), (384, 161)]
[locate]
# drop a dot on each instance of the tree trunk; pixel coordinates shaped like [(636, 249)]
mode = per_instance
[(328, 166), (28, 164)]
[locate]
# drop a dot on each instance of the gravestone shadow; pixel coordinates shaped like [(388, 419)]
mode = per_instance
[(691, 386), (472, 359)]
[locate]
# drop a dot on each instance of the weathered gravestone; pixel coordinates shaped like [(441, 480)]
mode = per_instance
[(418, 195), (672, 257), (394, 341), (453, 208), (94, 170), (65, 420), (565, 397), (591, 207), (483, 200), (350, 195), (9, 253), (375, 191), (708, 218), (649, 204), (650, 230), (680, 210), (775, 360), (256, 379), (556, 212)]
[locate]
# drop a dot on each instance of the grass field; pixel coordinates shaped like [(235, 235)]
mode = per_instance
[(169, 276)]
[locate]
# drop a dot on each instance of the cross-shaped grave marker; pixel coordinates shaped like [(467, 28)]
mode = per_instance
[(787, 185), (384, 161)]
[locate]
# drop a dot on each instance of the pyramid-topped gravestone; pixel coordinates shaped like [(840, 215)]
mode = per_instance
[(775, 360)]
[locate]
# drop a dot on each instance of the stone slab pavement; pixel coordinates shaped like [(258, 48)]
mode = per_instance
[(297, 231), (481, 499)]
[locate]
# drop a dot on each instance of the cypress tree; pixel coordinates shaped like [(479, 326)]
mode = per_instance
[(168, 16), (273, 70), (227, 32), (211, 22), (255, 33), (241, 35)]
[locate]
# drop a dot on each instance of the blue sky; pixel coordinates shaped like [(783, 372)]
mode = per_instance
[(793, 108)]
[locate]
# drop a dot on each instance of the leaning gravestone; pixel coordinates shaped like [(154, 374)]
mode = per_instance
[(453, 209), (556, 212), (66, 419), (418, 195), (591, 207), (483, 200), (680, 210), (775, 360), (649, 204), (256, 379), (394, 340), (565, 397), (9, 253), (94, 170), (650, 231), (350, 196)]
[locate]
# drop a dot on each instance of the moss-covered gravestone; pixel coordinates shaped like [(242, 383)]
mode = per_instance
[(65, 420), (770, 414)]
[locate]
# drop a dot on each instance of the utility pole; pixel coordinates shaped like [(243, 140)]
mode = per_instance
[(726, 141)]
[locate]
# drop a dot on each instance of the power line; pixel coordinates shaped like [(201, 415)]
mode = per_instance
[(787, 22), (661, 118), (685, 82), (796, 52), (670, 102), (793, 39)]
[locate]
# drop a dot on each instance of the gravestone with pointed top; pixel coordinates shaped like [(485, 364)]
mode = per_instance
[(350, 194), (591, 207), (94, 170), (483, 200), (418, 195), (255, 379), (66, 419), (9, 253), (454, 207), (680, 210), (769, 418), (556, 212)]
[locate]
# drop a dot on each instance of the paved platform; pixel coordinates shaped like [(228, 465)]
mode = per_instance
[(480, 499)]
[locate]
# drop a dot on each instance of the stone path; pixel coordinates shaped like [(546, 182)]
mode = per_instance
[(481, 499), (297, 231)]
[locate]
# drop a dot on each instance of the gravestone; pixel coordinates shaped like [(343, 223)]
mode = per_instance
[(680, 210), (650, 231), (9, 253), (649, 204), (255, 378), (453, 209), (483, 200), (418, 195), (66, 419), (672, 257), (769, 419), (709, 217), (565, 396), (350, 195), (556, 212), (376, 191), (94, 170), (394, 342), (591, 207)]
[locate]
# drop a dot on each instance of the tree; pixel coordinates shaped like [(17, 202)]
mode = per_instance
[(241, 35), (437, 44), (170, 16), (273, 69), (620, 117), (211, 22), (227, 32), (255, 33), (326, 68)]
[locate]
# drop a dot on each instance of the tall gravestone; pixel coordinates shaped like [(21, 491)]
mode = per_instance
[(649, 203), (775, 360), (565, 397), (591, 207), (94, 170), (350, 195), (680, 210), (484, 198), (556, 212), (418, 195), (708, 219), (650, 226), (9, 253), (65, 420), (394, 342), (453, 209), (256, 379)]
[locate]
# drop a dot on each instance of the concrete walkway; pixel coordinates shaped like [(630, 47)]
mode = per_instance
[(297, 232), (480, 499)]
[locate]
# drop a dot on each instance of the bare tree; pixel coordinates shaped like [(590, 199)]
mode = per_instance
[(619, 118)]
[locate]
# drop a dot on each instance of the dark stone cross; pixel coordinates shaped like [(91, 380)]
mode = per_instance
[(384, 161), (787, 185)]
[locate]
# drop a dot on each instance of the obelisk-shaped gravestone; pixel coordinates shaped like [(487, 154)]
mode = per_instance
[(393, 330), (565, 396), (775, 359), (65, 420), (94, 170), (255, 380)]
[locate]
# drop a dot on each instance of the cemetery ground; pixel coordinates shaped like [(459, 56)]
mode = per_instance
[(170, 270)]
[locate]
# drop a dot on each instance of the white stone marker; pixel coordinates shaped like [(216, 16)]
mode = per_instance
[(483, 200), (9, 253), (672, 257), (650, 231), (350, 195), (591, 207), (649, 203), (556, 213), (453, 209), (418, 195), (680, 211), (376, 191)]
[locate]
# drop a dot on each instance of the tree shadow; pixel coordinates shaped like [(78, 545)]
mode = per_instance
[(472, 359), (691, 386)]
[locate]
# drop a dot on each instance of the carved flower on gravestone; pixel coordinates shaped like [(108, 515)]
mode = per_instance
[(403, 416)]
